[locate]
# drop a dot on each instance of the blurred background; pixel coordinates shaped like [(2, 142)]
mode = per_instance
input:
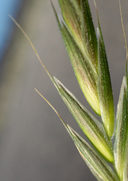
[(34, 145)]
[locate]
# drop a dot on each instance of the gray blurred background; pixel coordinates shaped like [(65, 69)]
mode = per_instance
[(34, 146)]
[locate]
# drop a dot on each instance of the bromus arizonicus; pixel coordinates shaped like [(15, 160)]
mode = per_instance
[(107, 159)]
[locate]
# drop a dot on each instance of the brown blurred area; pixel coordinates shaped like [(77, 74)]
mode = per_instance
[(34, 145)]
